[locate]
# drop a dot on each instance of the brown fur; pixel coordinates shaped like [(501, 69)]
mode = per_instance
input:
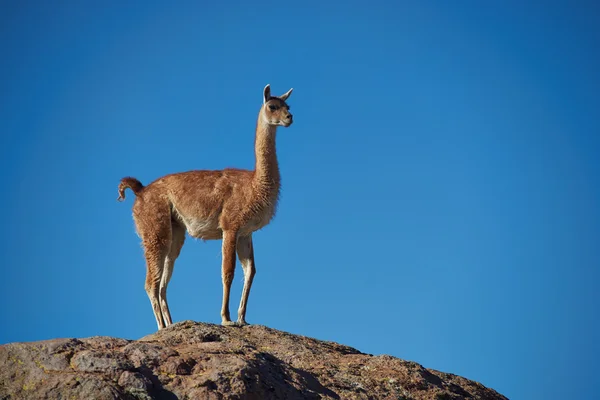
[(229, 204), (131, 183)]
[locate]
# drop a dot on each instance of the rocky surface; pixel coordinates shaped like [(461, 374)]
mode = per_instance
[(192, 360)]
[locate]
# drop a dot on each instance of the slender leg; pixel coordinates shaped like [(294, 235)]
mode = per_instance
[(227, 271), (153, 222), (245, 251), (177, 239), (155, 261)]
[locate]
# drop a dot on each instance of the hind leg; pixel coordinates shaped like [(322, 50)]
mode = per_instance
[(153, 222), (177, 239), (154, 260)]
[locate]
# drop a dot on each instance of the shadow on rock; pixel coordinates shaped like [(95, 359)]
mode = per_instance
[(304, 384)]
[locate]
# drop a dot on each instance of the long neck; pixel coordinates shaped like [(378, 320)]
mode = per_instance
[(266, 167)]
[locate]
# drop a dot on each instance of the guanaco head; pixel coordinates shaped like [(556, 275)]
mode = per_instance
[(275, 110)]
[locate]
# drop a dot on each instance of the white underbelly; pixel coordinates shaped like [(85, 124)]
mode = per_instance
[(203, 228)]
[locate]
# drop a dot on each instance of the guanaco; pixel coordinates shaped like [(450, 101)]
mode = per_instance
[(228, 204)]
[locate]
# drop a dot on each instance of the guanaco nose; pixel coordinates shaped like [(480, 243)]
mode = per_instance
[(289, 116)]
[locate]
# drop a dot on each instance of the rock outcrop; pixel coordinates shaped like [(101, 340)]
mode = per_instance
[(190, 360)]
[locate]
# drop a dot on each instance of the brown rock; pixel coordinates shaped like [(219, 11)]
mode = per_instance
[(191, 360)]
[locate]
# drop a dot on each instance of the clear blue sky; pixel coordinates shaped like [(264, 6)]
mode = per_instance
[(440, 197)]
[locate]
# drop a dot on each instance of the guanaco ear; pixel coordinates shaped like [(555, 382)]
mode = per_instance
[(266, 93), (286, 95)]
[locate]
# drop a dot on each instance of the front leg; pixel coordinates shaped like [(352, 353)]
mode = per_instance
[(227, 272), (245, 252)]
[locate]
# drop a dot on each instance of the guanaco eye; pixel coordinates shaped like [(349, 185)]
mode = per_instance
[(272, 107)]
